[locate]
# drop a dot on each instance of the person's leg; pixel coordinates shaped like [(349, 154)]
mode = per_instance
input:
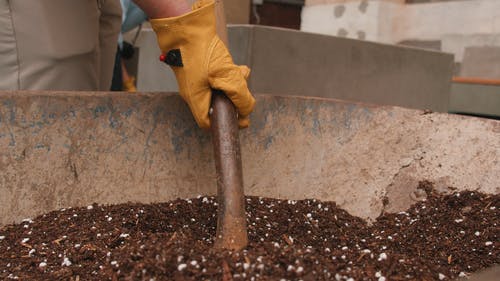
[(109, 27), (57, 44), (9, 67)]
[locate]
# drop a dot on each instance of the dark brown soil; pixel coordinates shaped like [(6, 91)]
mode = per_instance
[(438, 239)]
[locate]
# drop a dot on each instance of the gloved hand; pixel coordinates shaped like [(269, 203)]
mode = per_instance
[(201, 61), (129, 85)]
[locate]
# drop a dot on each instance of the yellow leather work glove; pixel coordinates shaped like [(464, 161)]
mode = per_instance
[(201, 61), (129, 85)]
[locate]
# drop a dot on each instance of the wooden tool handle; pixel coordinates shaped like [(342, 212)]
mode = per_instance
[(231, 222)]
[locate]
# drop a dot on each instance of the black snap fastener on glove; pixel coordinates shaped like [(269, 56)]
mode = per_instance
[(173, 58)]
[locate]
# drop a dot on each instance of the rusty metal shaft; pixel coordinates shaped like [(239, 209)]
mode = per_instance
[(231, 219)]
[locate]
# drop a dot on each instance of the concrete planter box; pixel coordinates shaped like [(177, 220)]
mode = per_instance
[(75, 148)]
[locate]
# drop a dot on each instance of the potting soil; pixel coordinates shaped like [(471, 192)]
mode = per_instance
[(440, 238)]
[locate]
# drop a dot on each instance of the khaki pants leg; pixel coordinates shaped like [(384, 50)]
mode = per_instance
[(59, 44), (9, 67)]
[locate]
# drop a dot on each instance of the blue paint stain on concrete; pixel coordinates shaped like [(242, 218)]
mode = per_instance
[(316, 125), (12, 140), (113, 123), (128, 112), (367, 113), (177, 142), (70, 113), (348, 116), (268, 141), (98, 110), (124, 137), (39, 146), (10, 104)]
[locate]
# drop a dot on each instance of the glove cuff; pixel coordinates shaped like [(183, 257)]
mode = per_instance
[(196, 25)]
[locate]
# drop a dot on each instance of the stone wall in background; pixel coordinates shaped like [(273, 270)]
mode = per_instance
[(449, 26)]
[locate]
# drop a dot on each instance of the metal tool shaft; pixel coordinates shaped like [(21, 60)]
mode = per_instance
[(231, 222)]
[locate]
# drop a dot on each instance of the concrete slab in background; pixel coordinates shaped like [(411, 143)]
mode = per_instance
[(457, 43), (300, 63), (482, 62)]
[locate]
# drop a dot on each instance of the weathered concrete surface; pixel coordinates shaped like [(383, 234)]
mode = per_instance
[(290, 62), (72, 149), (481, 62), (475, 99)]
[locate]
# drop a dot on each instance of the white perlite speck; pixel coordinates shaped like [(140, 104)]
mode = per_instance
[(381, 278), (300, 269), (382, 257), (459, 220), (488, 243), (2, 237), (90, 207), (477, 233), (441, 276), (66, 262), (378, 274), (181, 266), (42, 264), (462, 274), (25, 240)]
